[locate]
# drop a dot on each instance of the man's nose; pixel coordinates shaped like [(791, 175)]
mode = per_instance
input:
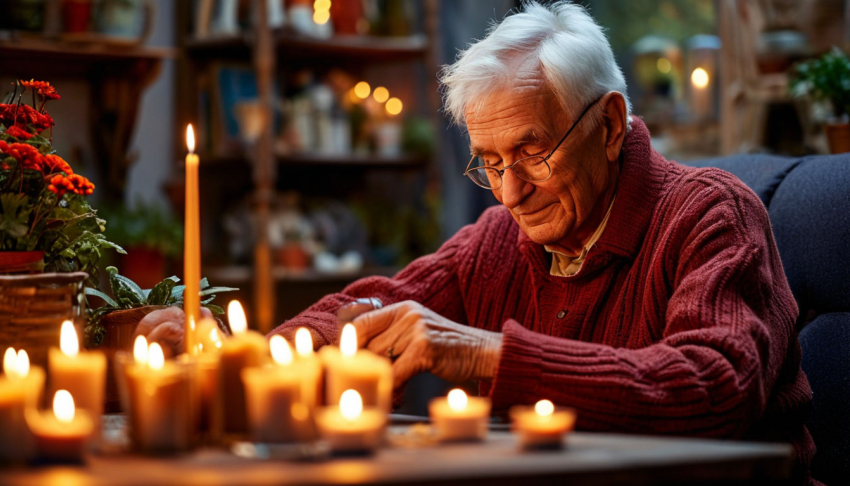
[(514, 189)]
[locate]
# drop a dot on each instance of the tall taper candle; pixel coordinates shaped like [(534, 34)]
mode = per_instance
[(191, 246)]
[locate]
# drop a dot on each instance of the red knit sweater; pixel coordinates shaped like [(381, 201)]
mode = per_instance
[(679, 322)]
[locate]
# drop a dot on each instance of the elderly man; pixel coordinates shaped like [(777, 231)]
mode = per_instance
[(647, 295)]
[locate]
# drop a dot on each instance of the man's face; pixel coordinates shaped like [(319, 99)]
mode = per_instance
[(528, 120)]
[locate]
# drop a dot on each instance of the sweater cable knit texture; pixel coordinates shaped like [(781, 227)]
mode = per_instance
[(679, 322)]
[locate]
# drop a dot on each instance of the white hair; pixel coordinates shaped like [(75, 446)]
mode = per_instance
[(568, 50)]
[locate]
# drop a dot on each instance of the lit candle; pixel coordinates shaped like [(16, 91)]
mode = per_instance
[(160, 395), (349, 427), (20, 389), (82, 373), (361, 370), (191, 245), (277, 410), (458, 417), (61, 434), (311, 368), (542, 426), (245, 349), (204, 369)]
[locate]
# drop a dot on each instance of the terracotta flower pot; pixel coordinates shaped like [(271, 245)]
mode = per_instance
[(120, 327), (21, 261), (838, 136)]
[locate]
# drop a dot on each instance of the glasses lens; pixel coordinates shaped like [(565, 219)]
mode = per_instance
[(486, 177), (532, 169)]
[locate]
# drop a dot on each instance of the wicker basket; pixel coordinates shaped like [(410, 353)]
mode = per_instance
[(32, 308)]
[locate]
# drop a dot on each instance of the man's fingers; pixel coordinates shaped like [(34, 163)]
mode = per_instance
[(206, 313), (169, 335), (373, 323), (155, 318), (397, 337)]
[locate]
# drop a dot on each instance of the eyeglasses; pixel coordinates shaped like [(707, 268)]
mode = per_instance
[(529, 169)]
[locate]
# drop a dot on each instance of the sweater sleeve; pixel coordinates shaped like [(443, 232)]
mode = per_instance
[(430, 280), (721, 340)]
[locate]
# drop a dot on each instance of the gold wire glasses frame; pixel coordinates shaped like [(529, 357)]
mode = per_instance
[(529, 169)]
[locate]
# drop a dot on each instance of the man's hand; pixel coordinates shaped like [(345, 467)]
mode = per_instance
[(419, 339), (165, 326)]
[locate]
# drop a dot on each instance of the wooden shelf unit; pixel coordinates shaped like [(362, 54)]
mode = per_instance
[(271, 51)]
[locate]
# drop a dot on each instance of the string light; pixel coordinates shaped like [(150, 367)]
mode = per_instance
[(381, 94), (394, 106)]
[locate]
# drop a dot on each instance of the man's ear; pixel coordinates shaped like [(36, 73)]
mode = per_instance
[(614, 121)]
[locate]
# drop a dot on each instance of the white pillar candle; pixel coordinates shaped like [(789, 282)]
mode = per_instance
[(20, 389), (160, 395), (542, 426), (278, 410), (82, 373), (458, 417), (351, 369), (245, 349), (350, 428), (61, 434)]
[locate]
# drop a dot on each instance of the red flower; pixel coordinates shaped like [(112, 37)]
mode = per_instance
[(28, 157), (23, 115), (75, 183), (16, 132), (54, 163), (42, 87)]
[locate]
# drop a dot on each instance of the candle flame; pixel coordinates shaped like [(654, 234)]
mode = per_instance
[(348, 340), (699, 77), (236, 316), (156, 359), (303, 342), (190, 138), (215, 338), (68, 342), (9, 359), (140, 350), (22, 364), (281, 354), (63, 406), (457, 400), (350, 404), (544, 408)]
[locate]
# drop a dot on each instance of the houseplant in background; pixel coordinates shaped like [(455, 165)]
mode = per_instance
[(48, 231), (827, 78), (151, 236)]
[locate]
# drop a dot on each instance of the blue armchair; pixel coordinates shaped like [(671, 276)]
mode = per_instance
[(808, 200)]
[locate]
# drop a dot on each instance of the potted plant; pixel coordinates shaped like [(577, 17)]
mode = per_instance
[(111, 326), (150, 235), (46, 224), (827, 78)]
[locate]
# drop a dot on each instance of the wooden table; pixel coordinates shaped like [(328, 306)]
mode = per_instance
[(597, 459)]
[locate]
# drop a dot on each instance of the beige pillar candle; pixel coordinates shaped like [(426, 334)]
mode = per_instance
[(206, 400), (310, 368), (351, 369), (160, 394), (277, 408), (61, 434), (542, 426), (82, 373), (349, 428), (20, 389), (245, 349), (460, 418)]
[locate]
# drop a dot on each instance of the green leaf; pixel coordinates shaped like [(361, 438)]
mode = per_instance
[(161, 292), (98, 293), (216, 290), (207, 301), (216, 310), (204, 283), (177, 293)]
